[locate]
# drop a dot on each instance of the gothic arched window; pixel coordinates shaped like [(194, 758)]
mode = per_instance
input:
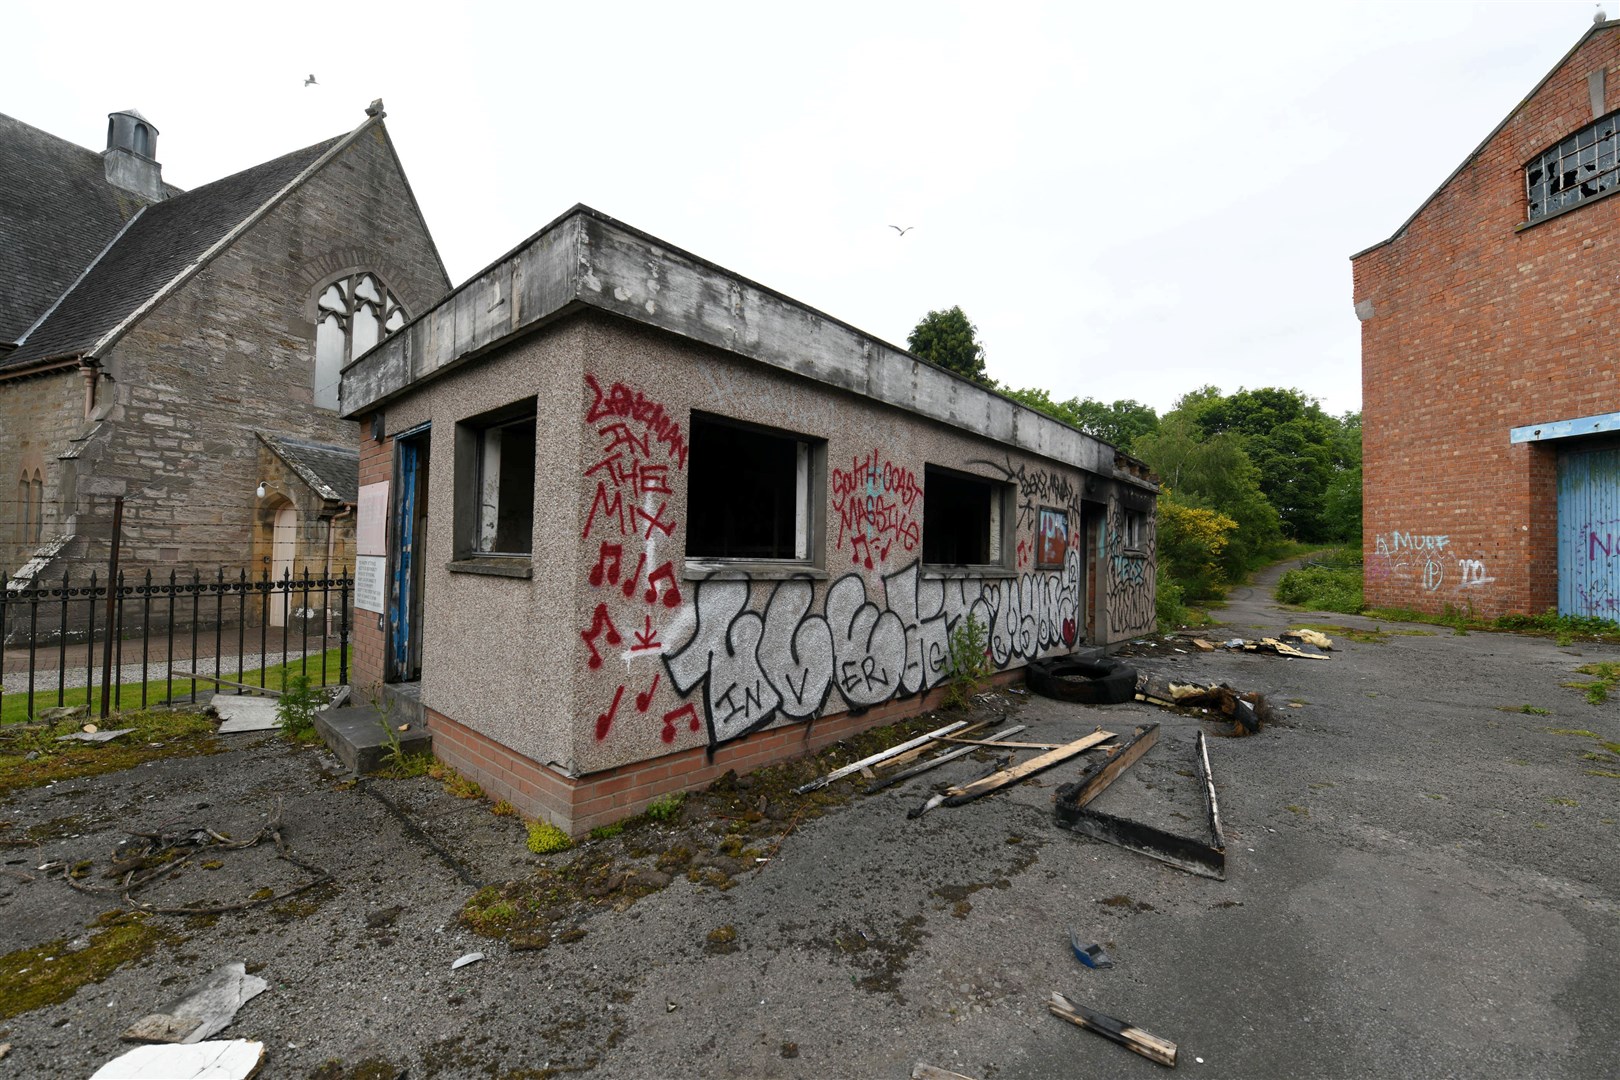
[(352, 314)]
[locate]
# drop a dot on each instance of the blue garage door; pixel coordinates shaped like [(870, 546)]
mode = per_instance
[(1589, 533)]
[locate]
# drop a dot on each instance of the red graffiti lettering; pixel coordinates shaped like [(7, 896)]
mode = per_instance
[(613, 506), (646, 638), (876, 502), (619, 400)]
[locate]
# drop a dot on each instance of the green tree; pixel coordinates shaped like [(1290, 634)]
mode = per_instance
[(1120, 423), (948, 339), (1214, 472)]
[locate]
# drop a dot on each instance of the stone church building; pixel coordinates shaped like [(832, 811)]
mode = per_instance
[(182, 348)]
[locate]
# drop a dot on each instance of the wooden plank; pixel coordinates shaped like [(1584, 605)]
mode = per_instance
[(1127, 1035), (883, 755), (1095, 780), (912, 755), (931, 763), (200, 677), (1004, 745), (995, 781)]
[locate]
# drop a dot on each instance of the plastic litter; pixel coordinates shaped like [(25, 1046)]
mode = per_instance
[(1089, 953)]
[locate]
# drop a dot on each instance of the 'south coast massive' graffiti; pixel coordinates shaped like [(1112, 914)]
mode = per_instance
[(787, 660)]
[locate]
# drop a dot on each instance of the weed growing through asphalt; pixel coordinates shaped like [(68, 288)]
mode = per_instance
[(1605, 673), (969, 662), (454, 783), (667, 807), (1528, 710), (296, 708)]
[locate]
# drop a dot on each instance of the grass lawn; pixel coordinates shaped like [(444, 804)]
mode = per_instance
[(14, 697)]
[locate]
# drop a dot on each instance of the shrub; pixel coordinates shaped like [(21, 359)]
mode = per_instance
[(1323, 588), (1170, 603)]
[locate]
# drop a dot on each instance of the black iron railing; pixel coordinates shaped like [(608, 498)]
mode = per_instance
[(57, 642)]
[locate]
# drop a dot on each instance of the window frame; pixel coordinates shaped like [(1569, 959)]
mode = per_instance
[(810, 492), (1558, 155), (389, 308), (1002, 524), (470, 461)]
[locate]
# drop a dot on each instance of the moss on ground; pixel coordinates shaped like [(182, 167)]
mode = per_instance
[(32, 755), (51, 973)]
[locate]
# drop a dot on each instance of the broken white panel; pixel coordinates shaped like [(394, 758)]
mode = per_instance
[(232, 1059), (94, 736), (241, 712), (207, 1008)]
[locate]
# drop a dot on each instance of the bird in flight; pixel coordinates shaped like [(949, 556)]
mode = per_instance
[(311, 81), (903, 231)]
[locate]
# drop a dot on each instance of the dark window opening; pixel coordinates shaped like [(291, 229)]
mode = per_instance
[(498, 472), (1580, 167), (747, 493), (961, 519)]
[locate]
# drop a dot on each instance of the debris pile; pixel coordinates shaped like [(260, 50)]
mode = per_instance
[(1247, 712)]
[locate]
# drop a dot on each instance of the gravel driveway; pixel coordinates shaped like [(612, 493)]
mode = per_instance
[(1422, 881)]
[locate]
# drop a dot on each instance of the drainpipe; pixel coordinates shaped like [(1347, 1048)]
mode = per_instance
[(88, 369)]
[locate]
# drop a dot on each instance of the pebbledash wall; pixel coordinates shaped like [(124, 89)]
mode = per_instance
[(618, 669), (1483, 333)]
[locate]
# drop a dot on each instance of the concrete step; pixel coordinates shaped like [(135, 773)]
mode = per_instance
[(363, 740)]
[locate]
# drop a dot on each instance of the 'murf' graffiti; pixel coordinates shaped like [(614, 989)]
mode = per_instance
[(876, 505), (788, 660), (1405, 541)]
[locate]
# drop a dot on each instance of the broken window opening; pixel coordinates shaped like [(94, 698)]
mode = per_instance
[(963, 518), (1582, 166), (352, 314), (749, 492), (495, 471)]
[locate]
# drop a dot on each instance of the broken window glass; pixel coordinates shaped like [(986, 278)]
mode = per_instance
[(1582, 166)]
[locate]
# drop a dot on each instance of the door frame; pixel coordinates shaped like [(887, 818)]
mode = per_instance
[(407, 535)]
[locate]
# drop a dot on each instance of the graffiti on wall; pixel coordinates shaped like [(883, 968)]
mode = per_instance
[(1595, 583), (1424, 560), (875, 503), (638, 443), (748, 666), (1036, 486), (1130, 574)]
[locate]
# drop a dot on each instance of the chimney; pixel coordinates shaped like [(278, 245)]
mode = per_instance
[(131, 155)]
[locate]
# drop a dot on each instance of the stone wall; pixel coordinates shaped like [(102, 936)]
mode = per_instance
[(231, 352)]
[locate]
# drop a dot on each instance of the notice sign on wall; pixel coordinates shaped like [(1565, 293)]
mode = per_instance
[(371, 521), (370, 577)]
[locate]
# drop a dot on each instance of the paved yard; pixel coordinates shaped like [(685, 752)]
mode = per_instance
[(1422, 881)]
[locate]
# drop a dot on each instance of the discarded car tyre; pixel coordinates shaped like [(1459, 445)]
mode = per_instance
[(1087, 682)]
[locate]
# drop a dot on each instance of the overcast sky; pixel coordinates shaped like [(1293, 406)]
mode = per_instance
[(1130, 201)]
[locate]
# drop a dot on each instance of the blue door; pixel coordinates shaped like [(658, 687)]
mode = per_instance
[(1589, 533)]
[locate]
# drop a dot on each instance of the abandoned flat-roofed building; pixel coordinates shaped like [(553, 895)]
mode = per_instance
[(1491, 365), (182, 349), (629, 520)]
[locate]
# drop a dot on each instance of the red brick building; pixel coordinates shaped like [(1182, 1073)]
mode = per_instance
[(1491, 403)]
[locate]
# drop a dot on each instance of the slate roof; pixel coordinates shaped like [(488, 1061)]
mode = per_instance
[(57, 211), (332, 471), (165, 239)]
